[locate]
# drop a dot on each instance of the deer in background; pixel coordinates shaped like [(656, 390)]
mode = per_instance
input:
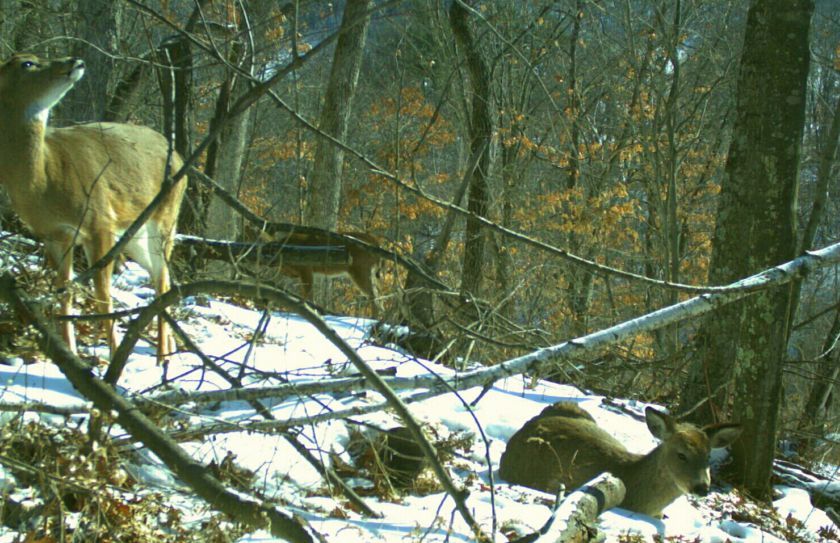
[(85, 184), (363, 268), (564, 445)]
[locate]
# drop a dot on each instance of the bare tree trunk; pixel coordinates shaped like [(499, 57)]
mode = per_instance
[(226, 154), (125, 95), (176, 87), (99, 27), (325, 179), (744, 345), (671, 226), (224, 162), (481, 134), (580, 281)]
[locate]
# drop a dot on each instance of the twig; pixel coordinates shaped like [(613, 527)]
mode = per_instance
[(323, 469), (260, 292)]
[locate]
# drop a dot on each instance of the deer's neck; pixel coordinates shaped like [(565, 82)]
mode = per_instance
[(22, 152), (649, 489)]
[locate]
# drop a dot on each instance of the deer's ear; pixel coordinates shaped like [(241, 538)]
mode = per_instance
[(660, 424), (723, 435)]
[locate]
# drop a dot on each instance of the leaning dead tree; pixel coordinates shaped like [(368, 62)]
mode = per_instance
[(591, 343)]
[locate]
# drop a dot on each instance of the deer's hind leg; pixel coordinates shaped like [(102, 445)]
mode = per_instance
[(366, 278), (166, 341), (150, 250)]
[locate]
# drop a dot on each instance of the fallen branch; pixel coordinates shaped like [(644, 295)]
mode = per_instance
[(271, 427), (825, 492), (263, 293), (37, 407), (574, 519), (272, 253)]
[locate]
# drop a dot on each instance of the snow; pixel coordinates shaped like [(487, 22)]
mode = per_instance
[(797, 503), (291, 350)]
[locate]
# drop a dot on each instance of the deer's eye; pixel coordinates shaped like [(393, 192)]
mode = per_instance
[(682, 457), (27, 64)]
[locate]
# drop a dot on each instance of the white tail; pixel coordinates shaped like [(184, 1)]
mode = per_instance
[(363, 267), (564, 445), (85, 184)]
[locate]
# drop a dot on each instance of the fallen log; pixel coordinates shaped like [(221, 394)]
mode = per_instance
[(824, 490), (574, 519)]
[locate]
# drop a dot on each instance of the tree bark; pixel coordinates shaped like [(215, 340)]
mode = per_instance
[(125, 96), (176, 85), (99, 27), (742, 348), (225, 155), (226, 165), (325, 179), (481, 135)]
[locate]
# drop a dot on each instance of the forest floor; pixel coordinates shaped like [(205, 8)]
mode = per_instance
[(57, 487)]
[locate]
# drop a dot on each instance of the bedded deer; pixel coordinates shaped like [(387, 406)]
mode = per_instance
[(564, 445), (84, 184), (363, 266)]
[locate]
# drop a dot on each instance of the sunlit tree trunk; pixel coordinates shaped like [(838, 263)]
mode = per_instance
[(743, 346), (224, 162), (480, 133)]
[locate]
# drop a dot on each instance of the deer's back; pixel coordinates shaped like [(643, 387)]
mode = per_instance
[(361, 259), (101, 176), (561, 445), (123, 163)]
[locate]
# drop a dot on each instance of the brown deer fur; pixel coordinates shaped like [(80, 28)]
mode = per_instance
[(363, 268), (85, 184), (564, 445)]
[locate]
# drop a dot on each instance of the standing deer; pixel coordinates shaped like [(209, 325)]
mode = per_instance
[(363, 267), (85, 184), (564, 445)]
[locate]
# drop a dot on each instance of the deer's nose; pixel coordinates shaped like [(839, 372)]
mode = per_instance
[(701, 489)]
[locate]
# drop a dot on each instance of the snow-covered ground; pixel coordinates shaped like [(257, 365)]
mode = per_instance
[(291, 351)]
